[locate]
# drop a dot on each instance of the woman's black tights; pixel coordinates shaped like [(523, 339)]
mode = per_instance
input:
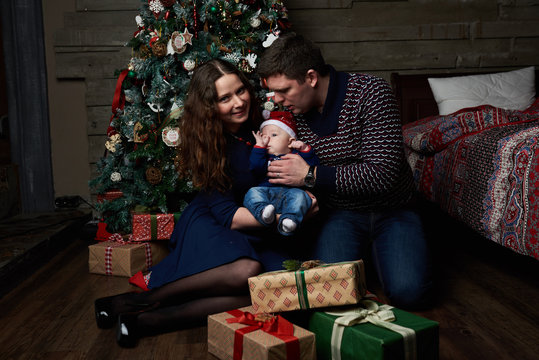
[(188, 301)]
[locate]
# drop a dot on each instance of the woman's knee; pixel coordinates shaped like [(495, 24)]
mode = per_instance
[(242, 270)]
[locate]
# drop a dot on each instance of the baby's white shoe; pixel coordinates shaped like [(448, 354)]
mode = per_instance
[(288, 225), (268, 214)]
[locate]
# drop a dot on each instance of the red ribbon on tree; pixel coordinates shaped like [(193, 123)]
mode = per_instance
[(118, 102), (276, 326)]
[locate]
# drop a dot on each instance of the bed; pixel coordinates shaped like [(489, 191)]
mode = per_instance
[(480, 163)]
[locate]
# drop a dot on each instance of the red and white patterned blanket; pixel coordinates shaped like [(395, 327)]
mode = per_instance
[(481, 165)]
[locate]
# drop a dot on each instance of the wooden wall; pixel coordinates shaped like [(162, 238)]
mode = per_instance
[(377, 37)]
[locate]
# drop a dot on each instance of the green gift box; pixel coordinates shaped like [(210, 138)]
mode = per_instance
[(364, 333)]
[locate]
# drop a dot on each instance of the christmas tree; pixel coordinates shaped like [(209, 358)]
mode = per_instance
[(172, 38)]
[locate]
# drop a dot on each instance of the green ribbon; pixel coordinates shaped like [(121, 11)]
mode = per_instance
[(153, 227), (301, 285)]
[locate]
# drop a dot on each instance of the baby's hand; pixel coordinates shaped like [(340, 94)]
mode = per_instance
[(299, 145), (261, 140)]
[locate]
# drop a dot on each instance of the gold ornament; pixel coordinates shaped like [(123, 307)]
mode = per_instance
[(153, 175), (137, 136), (159, 49)]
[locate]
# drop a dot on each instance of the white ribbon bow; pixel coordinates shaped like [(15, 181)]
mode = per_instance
[(379, 315)]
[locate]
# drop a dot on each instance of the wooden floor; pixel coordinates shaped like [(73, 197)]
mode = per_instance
[(487, 308)]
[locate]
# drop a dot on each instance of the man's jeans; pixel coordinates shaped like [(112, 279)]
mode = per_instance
[(291, 203), (398, 245)]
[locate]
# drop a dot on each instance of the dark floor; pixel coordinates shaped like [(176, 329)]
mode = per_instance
[(29, 241), (486, 296)]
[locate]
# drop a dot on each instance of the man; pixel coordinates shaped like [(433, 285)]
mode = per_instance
[(363, 183)]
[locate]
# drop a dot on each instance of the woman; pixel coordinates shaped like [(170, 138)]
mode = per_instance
[(216, 245)]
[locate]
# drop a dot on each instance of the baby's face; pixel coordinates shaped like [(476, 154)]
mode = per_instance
[(278, 140)]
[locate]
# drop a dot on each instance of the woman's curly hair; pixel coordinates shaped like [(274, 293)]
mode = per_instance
[(202, 138)]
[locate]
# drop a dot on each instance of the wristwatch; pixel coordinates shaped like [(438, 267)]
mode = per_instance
[(310, 178)]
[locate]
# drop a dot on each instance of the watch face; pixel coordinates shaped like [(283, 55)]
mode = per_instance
[(309, 178)]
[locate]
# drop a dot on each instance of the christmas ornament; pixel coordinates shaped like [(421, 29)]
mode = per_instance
[(268, 105), (153, 175), (177, 42), (140, 22), (270, 39), (112, 142), (245, 66), (270, 101), (233, 57), (159, 49), (187, 37), (171, 136), (189, 65), (155, 107), (156, 7), (137, 136), (115, 176), (176, 111), (251, 59)]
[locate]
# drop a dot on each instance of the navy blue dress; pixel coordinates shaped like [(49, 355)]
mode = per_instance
[(202, 238)]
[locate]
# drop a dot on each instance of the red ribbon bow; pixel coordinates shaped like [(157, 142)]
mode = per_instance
[(276, 326)]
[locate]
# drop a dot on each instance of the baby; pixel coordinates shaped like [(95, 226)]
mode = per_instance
[(277, 137)]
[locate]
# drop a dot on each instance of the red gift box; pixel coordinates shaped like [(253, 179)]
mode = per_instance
[(149, 227), (110, 195)]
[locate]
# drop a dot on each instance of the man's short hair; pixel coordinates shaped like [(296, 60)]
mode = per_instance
[(292, 55)]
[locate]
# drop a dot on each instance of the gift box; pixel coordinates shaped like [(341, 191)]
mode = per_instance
[(125, 259), (241, 334), (110, 195), (150, 227), (321, 286), (373, 331)]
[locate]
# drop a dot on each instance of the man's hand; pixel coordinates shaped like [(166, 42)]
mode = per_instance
[(290, 170)]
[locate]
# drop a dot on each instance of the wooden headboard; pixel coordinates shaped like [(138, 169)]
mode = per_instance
[(415, 98)]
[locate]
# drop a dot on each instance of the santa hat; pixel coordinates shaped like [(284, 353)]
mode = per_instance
[(282, 119)]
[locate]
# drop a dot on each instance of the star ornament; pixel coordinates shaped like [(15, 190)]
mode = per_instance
[(187, 36)]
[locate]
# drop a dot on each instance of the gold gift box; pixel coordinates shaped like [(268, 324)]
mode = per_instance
[(126, 259), (325, 285)]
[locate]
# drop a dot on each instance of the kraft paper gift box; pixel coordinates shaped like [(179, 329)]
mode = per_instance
[(242, 334), (150, 227), (125, 259), (325, 285), (373, 332)]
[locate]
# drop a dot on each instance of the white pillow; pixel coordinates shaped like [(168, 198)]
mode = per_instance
[(513, 90)]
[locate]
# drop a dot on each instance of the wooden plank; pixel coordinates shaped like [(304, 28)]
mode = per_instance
[(505, 29), (91, 37), (97, 19), (96, 147), (350, 33), (98, 119), (527, 11), (371, 56), (100, 91), (400, 13), (107, 5), (91, 64), (318, 4)]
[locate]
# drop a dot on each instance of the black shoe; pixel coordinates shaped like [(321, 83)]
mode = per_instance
[(106, 315), (103, 312), (127, 330)]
